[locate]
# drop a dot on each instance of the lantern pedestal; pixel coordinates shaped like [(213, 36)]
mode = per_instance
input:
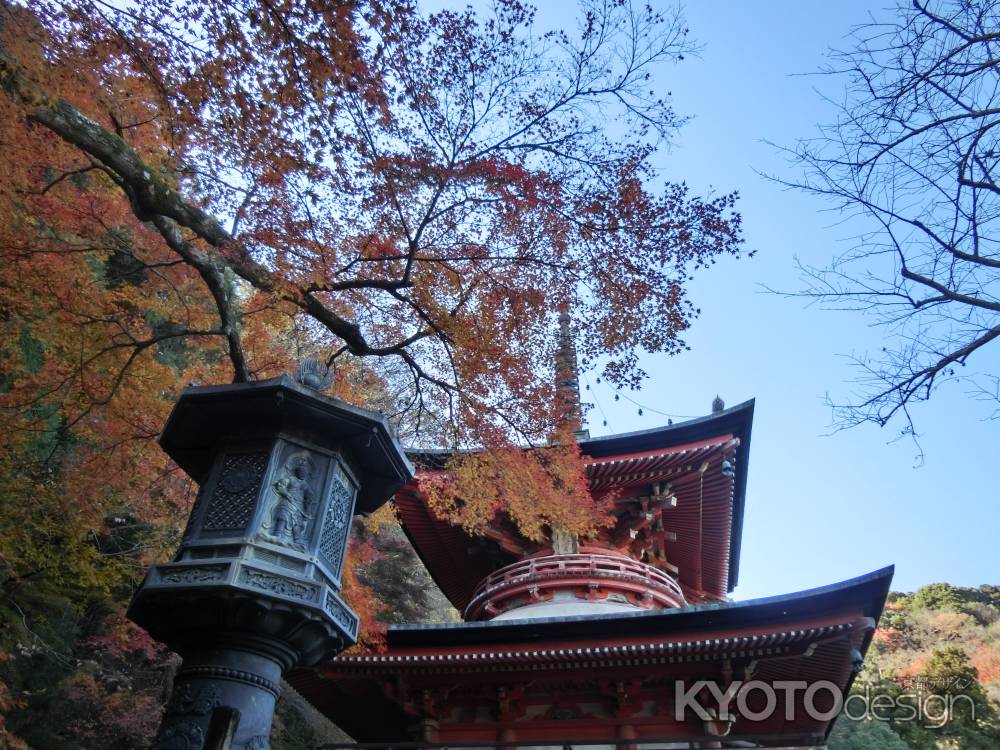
[(254, 588), (222, 695)]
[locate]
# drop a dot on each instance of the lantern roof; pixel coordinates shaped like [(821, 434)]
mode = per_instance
[(205, 417)]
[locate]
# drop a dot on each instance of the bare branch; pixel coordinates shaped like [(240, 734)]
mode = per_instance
[(911, 157)]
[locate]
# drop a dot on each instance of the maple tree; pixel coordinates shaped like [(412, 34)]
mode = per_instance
[(419, 192), (203, 192), (538, 490), (426, 189)]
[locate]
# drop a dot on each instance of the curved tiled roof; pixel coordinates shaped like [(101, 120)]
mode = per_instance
[(707, 520), (811, 635)]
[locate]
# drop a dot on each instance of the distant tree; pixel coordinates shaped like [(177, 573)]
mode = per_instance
[(406, 591), (986, 660), (864, 735), (985, 594), (915, 151), (950, 672), (936, 596), (949, 668), (983, 603)]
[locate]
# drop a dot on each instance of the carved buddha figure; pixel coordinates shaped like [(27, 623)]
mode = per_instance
[(292, 508)]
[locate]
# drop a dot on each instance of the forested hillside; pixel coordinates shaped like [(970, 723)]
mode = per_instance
[(932, 676)]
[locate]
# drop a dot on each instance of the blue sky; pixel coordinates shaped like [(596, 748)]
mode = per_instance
[(820, 507)]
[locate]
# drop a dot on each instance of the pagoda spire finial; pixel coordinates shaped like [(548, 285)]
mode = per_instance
[(567, 377)]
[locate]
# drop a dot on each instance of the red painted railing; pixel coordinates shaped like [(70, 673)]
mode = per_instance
[(589, 575)]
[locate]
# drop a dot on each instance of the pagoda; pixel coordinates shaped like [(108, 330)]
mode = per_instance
[(624, 640)]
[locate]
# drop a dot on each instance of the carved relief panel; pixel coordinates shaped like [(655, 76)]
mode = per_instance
[(293, 497)]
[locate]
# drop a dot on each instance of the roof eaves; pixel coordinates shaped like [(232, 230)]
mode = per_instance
[(868, 591)]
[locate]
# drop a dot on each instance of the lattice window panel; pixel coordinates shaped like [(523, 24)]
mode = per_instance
[(336, 525), (236, 492)]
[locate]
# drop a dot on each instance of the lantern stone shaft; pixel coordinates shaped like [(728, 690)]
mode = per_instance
[(254, 589)]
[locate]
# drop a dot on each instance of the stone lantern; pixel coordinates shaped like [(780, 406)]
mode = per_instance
[(254, 588)]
